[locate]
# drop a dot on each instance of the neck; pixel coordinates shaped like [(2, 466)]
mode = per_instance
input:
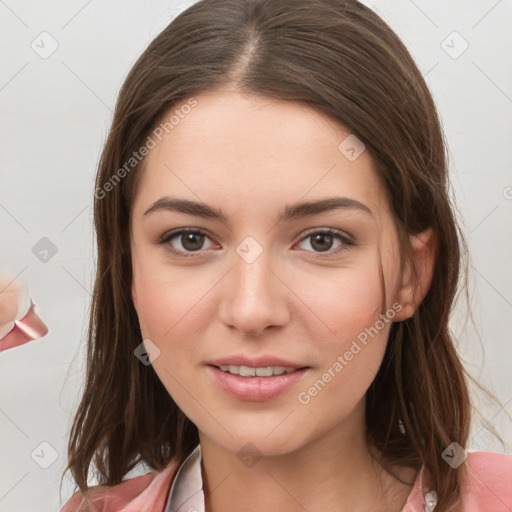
[(333, 472)]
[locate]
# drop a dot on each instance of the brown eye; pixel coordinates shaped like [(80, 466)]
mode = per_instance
[(192, 241), (184, 242), (322, 241)]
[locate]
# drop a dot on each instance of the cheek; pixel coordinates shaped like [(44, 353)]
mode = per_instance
[(171, 314), (343, 300), (352, 337), (349, 365), (171, 304)]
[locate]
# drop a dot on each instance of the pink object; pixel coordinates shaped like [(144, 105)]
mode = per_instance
[(28, 328), (488, 489), (19, 323)]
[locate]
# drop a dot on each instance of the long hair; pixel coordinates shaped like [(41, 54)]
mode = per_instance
[(339, 57)]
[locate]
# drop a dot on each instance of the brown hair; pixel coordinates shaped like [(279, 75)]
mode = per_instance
[(339, 57)]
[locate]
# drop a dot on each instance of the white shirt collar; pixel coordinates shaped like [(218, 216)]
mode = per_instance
[(186, 494)]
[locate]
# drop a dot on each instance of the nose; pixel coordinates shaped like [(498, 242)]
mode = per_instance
[(254, 297)]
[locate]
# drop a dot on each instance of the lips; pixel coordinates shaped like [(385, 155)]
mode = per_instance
[(255, 362), (255, 389), (247, 371), (234, 376)]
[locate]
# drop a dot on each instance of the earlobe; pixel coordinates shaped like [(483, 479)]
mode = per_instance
[(412, 292)]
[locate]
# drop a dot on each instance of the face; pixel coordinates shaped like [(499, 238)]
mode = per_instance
[(269, 248)]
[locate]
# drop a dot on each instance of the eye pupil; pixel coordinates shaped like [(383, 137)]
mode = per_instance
[(323, 246), (190, 241)]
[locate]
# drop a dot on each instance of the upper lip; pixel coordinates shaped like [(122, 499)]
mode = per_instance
[(254, 362)]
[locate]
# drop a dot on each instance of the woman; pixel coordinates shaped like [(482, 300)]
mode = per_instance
[(277, 261)]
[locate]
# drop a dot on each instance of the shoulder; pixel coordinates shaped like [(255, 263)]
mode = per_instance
[(145, 493), (488, 485)]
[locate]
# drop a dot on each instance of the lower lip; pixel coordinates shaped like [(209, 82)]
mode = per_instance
[(255, 389)]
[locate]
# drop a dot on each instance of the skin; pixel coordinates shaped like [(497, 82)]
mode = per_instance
[(9, 297), (250, 155)]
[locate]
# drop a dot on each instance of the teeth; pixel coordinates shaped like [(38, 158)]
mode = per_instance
[(265, 372), (246, 371)]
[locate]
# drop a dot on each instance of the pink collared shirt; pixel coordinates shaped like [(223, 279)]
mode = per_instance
[(488, 489)]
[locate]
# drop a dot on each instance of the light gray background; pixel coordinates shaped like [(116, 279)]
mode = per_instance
[(55, 114)]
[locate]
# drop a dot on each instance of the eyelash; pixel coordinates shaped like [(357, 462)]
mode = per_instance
[(167, 237)]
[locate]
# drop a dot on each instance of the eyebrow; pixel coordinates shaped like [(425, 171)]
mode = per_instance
[(289, 212)]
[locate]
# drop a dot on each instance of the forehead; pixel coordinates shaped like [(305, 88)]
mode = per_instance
[(249, 152)]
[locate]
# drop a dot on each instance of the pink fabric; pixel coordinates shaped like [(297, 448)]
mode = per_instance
[(488, 489), (489, 486), (145, 493), (28, 328)]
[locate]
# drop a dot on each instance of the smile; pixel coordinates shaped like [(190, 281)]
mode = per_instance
[(247, 371), (256, 384)]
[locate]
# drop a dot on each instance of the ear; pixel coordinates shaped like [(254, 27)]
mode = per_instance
[(411, 292)]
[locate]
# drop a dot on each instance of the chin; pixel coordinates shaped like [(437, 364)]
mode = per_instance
[(256, 440)]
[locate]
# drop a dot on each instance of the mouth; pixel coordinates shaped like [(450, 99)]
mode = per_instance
[(250, 366), (261, 371), (256, 383)]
